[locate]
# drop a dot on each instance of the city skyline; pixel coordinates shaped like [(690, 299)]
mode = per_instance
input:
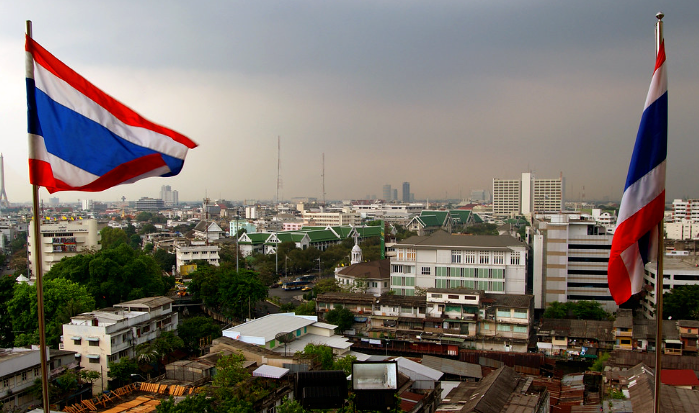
[(444, 95)]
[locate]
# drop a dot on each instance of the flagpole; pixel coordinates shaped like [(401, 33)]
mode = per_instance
[(659, 271), (38, 275)]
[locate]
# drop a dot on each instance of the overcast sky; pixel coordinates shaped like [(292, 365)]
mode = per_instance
[(444, 94)]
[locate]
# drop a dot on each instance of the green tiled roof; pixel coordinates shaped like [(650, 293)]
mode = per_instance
[(322, 236), (368, 232), (431, 220), (257, 238)]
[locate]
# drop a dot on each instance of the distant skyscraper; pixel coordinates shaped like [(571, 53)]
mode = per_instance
[(406, 191), (395, 194), (3, 196), (527, 195), (168, 195), (387, 192)]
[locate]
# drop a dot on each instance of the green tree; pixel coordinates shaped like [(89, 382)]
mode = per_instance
[(345, 364), (599, 364), (291, 406), (7, 336), (120, 372), (581, 310), (682, 303), (58, 293), (112, 237), (556, 310), (341, 317), (326, 285), (191, 404), (147, 229), (227, 291), (158, 351), (320, 354), (164, 259), (481, 229), (144, 216), (307, 308), (114, 275), (192, 330)]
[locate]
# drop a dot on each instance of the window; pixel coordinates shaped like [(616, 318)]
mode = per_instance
[(519, 329), (456, 257), (486, 326), (470, 257), (453, 297), (94, 360), (503, 327), (426, 270), (483, 257), (520, 314), (514, 258), (410, 255), (94, 343), (36, 372), (498, 257), (504, 313), (112, 358), (6, 383), (436, 295), (24, 375)]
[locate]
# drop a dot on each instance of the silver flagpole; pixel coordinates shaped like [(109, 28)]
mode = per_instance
[(659, 271)]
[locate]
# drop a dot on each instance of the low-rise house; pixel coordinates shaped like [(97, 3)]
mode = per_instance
[(284, 333), (689, 334), (582, 337), (20, 367), (453, 369), (503, 390), (109, 334)]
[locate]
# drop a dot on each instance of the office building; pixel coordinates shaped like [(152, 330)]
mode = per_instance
[(406, 191), (150, 204), (570, 253), (168, 196), (527, 195), (387, 193)]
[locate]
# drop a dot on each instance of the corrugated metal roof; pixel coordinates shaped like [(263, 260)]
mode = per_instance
[(428, 372), (449, 366), (270, 371), (270, 325)]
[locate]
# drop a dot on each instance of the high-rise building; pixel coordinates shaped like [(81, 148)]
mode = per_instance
[(406, 191), (395, 194), (387, 193), (169, 196), (527, 195)]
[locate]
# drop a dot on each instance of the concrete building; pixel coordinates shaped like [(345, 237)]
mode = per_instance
[(149, 204), (491, 263), (106, 335), (527, 195), (406, 192), (186, 254), (338, 218), (685, 209), (60, 239), (677, 271), (169, 196), (20, 367), (387, 193), (570, 253)]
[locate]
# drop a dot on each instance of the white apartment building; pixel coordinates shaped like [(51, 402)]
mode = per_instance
[(685, 209), (676, 272), (527, 195), (20, 367), (60, 239), (492, 263), (333, 219), (186, 254), (570, 257), (683, 229), (102, 336)]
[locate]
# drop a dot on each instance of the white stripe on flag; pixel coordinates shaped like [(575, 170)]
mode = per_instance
[(642, 192)]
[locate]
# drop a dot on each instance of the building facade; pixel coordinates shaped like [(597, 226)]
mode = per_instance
[(107, 335), (490, 263), (527, 195), (62, 239), (570, 253), (406, 192)]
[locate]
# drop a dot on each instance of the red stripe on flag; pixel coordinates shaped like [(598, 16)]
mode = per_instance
[(660, 58), (40, 173), (638, 224), (619, 280), (119, 110)]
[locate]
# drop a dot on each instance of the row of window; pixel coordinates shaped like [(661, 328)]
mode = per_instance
[(467, 257), (470, 284), (458, 272), (21, 377)]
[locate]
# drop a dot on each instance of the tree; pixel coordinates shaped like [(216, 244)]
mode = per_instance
[(7, 336), (114, 275), (229, 372), (58, 294), (307, 308), (341, 317), (120, 371), (191, 404), (320, 354), (581, 310), (157, 351), (192, 330), (481, 229), (326, 285), (682, 303), (147, 229), (291, 406), (112, 237), (164, 259), (345, 364), (227, 291)]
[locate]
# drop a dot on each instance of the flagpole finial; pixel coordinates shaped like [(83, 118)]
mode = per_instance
[(659, 15)]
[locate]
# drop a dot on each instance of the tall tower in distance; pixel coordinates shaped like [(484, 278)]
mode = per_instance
[(387, 193), (4, 202), (406, 192)]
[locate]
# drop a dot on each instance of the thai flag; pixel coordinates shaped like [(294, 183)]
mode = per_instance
[(81, 139), (643, 203)]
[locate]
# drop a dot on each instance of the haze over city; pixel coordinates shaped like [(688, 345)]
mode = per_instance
[(445, 95)]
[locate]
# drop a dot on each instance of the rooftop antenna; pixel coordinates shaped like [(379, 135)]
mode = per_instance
[(323, 176), (279, 170)]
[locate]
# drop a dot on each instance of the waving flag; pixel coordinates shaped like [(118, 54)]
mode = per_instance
[(643, 203), (81, 139)]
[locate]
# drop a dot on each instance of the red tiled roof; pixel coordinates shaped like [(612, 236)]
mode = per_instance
[(409, 400), (679, 377)]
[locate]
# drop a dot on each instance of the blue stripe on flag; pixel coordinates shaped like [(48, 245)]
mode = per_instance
[(86, 137), (651, 144)]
